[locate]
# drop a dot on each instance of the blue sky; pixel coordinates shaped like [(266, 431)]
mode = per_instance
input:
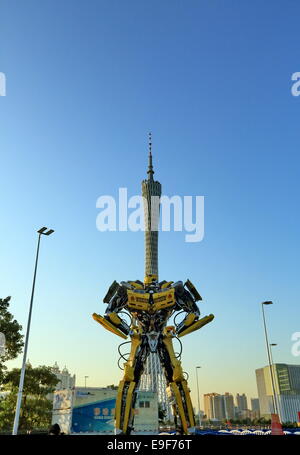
[(211, 79)]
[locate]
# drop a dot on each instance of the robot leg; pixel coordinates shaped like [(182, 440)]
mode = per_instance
[(124, 413), (177, 384)]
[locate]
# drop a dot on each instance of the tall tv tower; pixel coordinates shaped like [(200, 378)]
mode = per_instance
[(153, 378)]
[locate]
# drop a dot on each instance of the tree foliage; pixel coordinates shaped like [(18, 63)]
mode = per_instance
[(13, 337), (36, 407), (38, 381)]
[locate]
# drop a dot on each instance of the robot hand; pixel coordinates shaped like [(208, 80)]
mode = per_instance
[(192, 323), (113, 323)]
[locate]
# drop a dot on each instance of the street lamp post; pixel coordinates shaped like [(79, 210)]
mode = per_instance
[(271, 345), (42, 231), (272, 362), (198, 396), (269, 356)]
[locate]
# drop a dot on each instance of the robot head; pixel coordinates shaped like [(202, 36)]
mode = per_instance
[(150, 279)]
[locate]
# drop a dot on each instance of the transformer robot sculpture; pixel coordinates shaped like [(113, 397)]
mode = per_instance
[(149, 306)]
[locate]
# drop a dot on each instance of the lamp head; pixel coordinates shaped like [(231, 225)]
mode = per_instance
[(43, 229)]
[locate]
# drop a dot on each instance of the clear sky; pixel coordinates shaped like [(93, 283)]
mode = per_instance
[(211, 79)]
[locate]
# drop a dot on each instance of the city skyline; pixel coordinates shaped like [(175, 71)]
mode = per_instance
[(80, 101), (67, 380), (240, 401)]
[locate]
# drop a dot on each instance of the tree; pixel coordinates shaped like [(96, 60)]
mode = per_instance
[(113, 387), (36, 407), (11, 330)]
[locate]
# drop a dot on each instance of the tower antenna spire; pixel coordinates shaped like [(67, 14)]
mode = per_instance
[(150, 171), (150, 143)]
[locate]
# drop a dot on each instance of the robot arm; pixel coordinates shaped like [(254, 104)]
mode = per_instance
[(186, 297), (116, 298)]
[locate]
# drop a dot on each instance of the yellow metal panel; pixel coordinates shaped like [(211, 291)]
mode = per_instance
[(163, 300), (197, 325), (114, 318), (166, 285), (119, 404), (136, 340), (128, 406), (180, 407), (175, 363), (138, 301), (108, 325), (189, 319), (128, 378), (178, 372), (128, 372), (188, 403)]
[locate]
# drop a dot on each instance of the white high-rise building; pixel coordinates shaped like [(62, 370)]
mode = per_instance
[(287, 391), (241, 402), (255, 411), (219, 407)]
